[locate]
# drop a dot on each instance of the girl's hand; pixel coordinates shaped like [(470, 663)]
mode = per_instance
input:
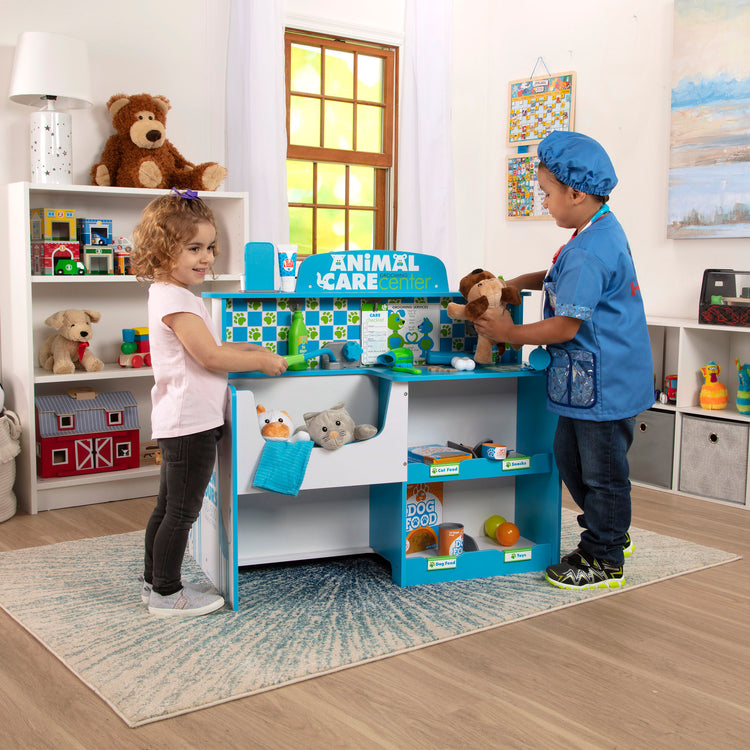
[(270, 363), (495, 329)]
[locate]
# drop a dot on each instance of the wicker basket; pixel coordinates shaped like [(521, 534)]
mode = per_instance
[(10, 432)]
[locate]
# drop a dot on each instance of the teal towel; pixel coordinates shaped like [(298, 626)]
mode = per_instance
[(282, 466)]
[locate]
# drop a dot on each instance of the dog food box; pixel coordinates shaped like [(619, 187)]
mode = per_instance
[(424, 512)]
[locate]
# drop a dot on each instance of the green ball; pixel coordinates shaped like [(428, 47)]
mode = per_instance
[(129, 348), (491, 524)]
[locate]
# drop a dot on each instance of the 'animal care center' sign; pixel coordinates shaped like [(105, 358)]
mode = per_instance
[(373, 272)]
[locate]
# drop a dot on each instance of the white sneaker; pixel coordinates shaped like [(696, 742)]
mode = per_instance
[(183, 603), (203, 588)]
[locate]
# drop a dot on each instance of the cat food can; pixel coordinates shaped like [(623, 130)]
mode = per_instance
[(494, 451), (450, 539)]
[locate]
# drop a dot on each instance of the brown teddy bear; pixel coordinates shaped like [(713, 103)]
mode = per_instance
[(139, 154), (70, 345), (483, 291)]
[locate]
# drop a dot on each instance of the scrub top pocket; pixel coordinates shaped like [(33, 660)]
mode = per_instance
[(571, 377)]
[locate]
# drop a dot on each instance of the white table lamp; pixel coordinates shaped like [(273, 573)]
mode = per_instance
[(51, 72)]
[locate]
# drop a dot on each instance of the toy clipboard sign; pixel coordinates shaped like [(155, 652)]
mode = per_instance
[(373, 272)]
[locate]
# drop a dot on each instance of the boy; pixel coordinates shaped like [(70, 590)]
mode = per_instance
[(601, 371)]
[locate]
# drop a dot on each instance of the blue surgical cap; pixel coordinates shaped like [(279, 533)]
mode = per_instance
[(578, 161)]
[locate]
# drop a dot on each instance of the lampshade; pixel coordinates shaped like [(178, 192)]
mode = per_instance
[(50, 65), (50, 73)]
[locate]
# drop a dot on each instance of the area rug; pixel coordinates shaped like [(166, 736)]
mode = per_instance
[(81, 600)]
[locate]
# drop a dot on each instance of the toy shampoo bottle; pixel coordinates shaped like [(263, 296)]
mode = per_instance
[(713, 394), (743, 388), (298, 338)]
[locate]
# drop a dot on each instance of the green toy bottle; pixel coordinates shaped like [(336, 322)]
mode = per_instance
[(298, 338)]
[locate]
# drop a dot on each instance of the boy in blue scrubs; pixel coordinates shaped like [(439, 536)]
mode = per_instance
[(601, 371)]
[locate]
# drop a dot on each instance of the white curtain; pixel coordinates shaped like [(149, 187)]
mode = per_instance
[(256, 115), (426, 206)]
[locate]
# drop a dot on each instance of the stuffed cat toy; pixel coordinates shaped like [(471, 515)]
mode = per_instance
[(334, 427)]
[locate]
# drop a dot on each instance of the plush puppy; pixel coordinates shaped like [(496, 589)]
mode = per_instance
[(67, 349), (139, 155), (483, 292)]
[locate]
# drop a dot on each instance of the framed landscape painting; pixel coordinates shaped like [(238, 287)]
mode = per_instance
[(709, 169)]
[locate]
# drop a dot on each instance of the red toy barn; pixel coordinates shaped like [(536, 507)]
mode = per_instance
[(88, 434)]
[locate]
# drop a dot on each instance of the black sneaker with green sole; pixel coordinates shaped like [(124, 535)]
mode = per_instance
[(579, 571)]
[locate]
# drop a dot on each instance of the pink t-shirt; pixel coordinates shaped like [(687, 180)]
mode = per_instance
[(186, 397)]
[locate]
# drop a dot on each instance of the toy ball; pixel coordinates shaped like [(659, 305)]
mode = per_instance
[(507, 534), (491, 525)]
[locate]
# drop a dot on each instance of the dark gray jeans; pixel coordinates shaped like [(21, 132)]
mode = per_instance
[(187, 463)]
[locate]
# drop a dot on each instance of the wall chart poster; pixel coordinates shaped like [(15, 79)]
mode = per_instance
[(709, 158), (525, 198), (539, 105)]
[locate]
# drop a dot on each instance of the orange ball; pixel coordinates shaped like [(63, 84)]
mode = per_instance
[(507, 534)]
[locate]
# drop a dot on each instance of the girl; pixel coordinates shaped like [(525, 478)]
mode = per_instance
[(175, 246)]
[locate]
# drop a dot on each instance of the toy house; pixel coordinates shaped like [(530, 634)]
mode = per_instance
[(94, 231), (53, 224), (86, 434), (98, 259), (46, 254)]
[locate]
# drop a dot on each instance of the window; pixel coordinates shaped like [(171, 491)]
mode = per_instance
[(114, 418), (341, 123), (66, 422)]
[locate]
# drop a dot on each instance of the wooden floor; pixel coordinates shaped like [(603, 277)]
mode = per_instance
[(663, 666)]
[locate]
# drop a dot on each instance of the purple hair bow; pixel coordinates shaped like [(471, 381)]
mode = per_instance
[(188, 195)]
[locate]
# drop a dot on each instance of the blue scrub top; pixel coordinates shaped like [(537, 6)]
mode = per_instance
[(606, 372)]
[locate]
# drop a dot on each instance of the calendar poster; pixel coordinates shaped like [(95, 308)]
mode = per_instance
[(540, 105), (525, 197)]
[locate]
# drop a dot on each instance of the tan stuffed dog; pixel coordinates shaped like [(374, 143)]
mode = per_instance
[(62, 351), (483, 291), (139, 154)]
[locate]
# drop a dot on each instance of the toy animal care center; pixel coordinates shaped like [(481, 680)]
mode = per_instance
[(378, 339)]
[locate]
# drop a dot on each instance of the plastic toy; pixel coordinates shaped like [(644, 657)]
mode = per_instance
[(483, 292), (743, 389), (135, 349), (507, 534), (139, 155), (399, 360), (492, 524), (63, 351), (463, 363), (713, 394), (670, 387)]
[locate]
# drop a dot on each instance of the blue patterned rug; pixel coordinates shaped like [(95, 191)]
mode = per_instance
[(81, 600)]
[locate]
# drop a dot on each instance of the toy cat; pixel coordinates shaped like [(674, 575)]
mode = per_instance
[(334, 427)]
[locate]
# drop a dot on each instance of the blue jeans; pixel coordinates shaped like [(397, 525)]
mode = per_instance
[(593, 462), (187, 463)]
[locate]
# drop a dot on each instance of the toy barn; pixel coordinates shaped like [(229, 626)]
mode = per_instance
[(86, 435)]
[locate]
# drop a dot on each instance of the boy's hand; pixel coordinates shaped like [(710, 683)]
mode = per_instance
[(495, 329)]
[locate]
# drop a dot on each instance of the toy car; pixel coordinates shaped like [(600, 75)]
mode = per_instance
[(69, 267)]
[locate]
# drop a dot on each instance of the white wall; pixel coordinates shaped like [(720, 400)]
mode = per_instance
[(620, 50)]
